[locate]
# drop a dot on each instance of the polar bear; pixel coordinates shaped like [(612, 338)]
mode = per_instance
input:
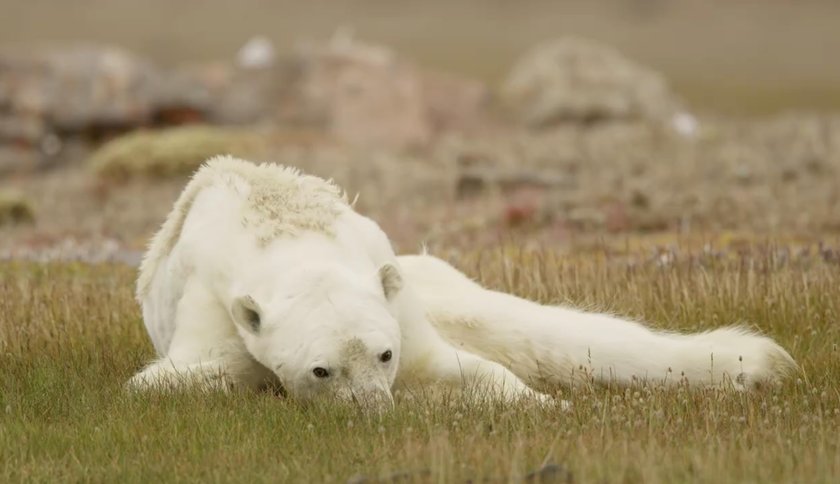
[(262, 275), (550, 346)]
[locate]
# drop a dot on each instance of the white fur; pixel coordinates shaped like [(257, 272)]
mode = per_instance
[(260, 274), (549, 345)]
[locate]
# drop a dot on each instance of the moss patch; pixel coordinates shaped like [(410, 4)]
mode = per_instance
[(15, 209), (179, 151)]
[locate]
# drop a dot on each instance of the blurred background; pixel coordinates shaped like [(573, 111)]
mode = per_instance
[(459, 123)]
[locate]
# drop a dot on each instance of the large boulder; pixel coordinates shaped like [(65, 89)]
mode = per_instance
[(366, 95), (360, 93), (577, 80)]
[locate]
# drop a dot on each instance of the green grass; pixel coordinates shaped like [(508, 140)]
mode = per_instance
[(179, 151), (70, 335)]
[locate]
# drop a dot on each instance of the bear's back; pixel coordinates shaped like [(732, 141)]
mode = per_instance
[(275, 201)]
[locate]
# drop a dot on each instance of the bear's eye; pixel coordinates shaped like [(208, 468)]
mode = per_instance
[(385, 357), (320, 372)]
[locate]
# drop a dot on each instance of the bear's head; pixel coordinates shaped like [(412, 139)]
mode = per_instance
[(327, 331)]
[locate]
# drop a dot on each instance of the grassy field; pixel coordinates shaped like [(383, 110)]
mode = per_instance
[(70, 335)]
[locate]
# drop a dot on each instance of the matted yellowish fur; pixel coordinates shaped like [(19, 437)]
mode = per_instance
[(280, 201)]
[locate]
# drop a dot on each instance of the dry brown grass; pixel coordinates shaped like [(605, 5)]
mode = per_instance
[(71, 335)]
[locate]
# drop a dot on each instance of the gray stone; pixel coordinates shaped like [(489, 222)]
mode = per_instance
[(577, 80)]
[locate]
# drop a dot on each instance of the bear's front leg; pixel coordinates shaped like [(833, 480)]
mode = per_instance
[(440, 363), (428, 358), (205, 350), (166, 374), (472, 371)]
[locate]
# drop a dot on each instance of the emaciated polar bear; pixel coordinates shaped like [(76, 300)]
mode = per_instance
[(262, 275)]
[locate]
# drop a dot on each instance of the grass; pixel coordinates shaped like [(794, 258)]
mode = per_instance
[(71, 334)]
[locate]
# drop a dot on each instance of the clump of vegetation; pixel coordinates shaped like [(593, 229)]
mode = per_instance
[(15, 209), (174, 151), (72, 335)]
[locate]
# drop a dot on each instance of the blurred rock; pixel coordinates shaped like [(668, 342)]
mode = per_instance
[(368, 96), (685, 124), (360, 93), (454, 104), (13, 159), (88, 89), (249, 89), (258, 52), (245, 95), (582, 81)]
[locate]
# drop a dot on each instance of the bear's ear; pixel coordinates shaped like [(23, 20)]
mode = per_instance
[(391, 280), (247, 313)]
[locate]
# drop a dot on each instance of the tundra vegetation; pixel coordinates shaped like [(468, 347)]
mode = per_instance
[(72, 335)]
